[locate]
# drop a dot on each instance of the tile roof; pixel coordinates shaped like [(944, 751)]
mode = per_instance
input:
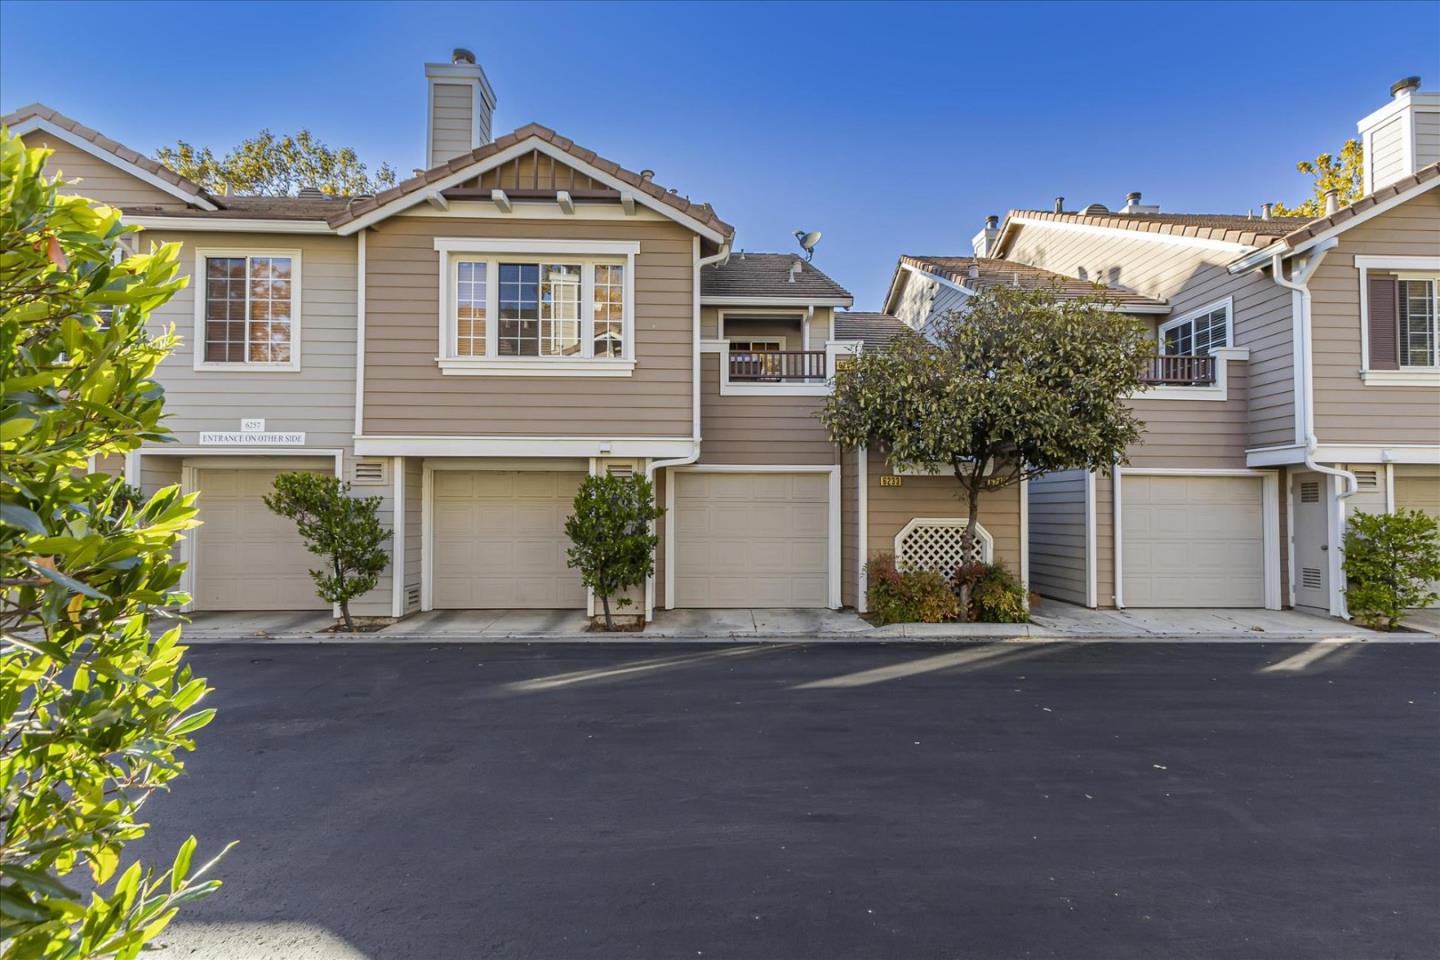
[(875, 329), (767, 275), (993, 272), (134, 157), (1313, 228), (1232, 228), (702, 212), (257, 208)]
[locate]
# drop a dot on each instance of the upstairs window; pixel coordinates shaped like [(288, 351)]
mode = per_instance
[(248, 310), (1401, 321), (1196, 334), (1418, 338), (553, 313)]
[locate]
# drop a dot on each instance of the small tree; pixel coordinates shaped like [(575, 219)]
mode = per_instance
[(1391, 560), (345, 530), (271, 166), (613, 542), (1345, 173), (96, 711), (1020, 384)]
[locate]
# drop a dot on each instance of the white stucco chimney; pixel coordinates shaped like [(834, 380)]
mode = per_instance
[(984, 241), (459, 105), (1402, 136)]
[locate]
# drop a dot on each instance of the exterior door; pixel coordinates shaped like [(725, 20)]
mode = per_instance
[(1309, 493), (499, 540)]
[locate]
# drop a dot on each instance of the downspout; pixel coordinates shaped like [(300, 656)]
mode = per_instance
[(1301, 285), (694, 454)]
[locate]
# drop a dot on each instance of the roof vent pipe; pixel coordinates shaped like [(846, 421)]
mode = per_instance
[(1265, 210), (647, 175), (1332, 202), (1059, 204)]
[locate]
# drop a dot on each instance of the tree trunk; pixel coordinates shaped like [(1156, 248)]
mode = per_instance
[(605, 602), (967, 539), (345, 615)]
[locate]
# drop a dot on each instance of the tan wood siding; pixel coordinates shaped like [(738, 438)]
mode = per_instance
[(890, 508), (1347, 410), (1104, 540), (414, 514), (1133, 261), (1057, 536), (1195, 433), (1387, 153), (1427, 137), (850, 480), (759, 430), (99, 179), (453, 120), (406, 393), (662, 478)]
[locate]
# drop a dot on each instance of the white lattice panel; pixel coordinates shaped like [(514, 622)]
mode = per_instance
[(934, 543)]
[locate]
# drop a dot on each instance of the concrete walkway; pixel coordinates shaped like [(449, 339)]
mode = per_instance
[(1052, 620)]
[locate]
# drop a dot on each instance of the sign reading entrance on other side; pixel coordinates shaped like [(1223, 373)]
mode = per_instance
[(252, 439)]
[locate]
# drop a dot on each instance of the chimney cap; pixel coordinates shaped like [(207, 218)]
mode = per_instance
[(461, 55), (1403, 84), (992, 221)]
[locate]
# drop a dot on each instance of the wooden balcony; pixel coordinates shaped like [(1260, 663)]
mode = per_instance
[(778, 366), (1179, 371)]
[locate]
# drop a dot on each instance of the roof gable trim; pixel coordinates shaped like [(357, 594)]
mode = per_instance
[(33, 124), (1013, 223)]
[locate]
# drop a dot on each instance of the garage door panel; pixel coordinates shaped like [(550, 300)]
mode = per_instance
[(751, 540), (1193, 541), (247, 557), (499, 539)]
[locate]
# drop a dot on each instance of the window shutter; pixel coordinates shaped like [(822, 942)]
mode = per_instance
[(1382, 301)]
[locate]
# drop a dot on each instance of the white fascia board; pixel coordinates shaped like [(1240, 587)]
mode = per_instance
[(656, 448), (1262, 257), (517, 150), (577, 247), (229, 225), (100, 153), (1171, 238), (1426, 453), (776, 301)]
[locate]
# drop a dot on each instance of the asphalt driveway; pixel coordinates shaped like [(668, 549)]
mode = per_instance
[(1044, 800)]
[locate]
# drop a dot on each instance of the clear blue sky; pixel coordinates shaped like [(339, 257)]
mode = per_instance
[(892, 128)]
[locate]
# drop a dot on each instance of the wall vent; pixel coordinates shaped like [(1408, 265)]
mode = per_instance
[(1310, 578), (370, 471), (1367, 479), (412, 596), (1310, 491), (620, 470)]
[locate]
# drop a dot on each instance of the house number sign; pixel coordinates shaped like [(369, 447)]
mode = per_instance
[(891, 480)]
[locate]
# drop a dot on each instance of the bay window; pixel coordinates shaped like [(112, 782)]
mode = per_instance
[(536, 308)]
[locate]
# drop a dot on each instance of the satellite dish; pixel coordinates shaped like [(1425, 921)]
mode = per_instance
[(808, 241)]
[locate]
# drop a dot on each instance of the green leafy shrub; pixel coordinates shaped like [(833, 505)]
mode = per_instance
[(908, 596), (96, 713), (345, 530), (995, 595), (613, 543), (1390, 561)]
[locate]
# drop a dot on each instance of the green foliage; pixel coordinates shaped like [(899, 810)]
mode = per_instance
[(95, 712), (345, 530), (995, 595), (271, 166), (1345, 173), (1020, 384), (613, 545), (908, 596), (1390, 561)]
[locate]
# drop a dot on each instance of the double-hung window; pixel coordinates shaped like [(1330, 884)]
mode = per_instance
[(536, 308), (1417, 316), (1196, 334), (247, 310), (1400, 322)]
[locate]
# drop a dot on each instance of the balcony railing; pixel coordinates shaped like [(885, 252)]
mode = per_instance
[(778, 366), (1179, 371)]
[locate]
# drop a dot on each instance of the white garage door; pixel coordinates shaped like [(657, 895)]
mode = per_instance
[(751, 540), (1193, 542), (1418, 488), (500, 540), (247, 558)]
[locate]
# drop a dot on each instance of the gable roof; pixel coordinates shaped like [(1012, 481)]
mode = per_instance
[(992, 272), (37, 116), (1370, 205), (1220, 227), (454, 172), (766, 277), (875, 330)]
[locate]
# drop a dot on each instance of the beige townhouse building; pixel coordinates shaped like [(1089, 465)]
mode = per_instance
[(1296, 379), (470, 344)]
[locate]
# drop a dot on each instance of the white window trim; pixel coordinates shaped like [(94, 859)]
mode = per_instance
[(198, 337), (1417, 268), (587, 253), (781, 341), (1228, 303)]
